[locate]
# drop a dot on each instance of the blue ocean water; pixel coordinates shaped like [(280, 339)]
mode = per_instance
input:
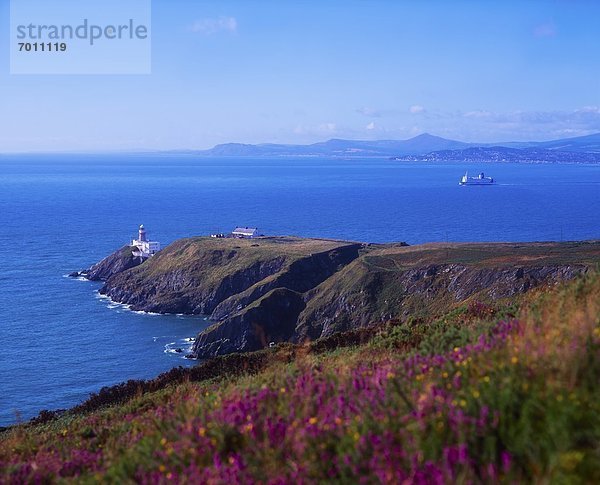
[(59, 341)]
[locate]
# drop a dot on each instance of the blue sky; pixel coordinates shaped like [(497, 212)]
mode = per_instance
[(300, 72)]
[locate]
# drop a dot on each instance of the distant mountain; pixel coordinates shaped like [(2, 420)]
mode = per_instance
[(339, 148), (419, 144), (588, 144), (505, 154), (585, 149)]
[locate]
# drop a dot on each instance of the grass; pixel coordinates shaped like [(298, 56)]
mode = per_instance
[(484, 394), (234, 254), (488, 254), (217, 258)]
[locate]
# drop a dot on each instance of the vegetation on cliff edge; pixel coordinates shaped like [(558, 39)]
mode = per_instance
[(484, 394)]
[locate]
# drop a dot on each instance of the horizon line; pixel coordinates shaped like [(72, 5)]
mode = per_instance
[(133, 151)]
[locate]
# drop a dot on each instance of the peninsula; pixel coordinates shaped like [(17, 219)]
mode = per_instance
[(266, 290)]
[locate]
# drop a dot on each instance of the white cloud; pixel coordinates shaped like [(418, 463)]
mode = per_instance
[(478, 125), (416, 109), (210, 26), (371, 112), (322, 129), (530, 125), (589, 109), (478, 114), (588, 115), (328, 127)]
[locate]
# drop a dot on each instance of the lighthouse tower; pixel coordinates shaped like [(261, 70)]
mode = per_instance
[(142, 233), (143, 247)]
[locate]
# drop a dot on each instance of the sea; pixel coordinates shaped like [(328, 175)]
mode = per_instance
[(60, 341)]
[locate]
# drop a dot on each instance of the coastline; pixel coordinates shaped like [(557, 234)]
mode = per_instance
[(259, 292)]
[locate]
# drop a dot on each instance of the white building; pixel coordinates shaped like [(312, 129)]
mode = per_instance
[(245, 232), (145, 248)]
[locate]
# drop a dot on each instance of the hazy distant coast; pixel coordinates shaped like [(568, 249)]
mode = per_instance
[(426, 148)]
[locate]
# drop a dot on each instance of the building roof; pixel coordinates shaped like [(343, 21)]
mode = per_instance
[(247, 231)]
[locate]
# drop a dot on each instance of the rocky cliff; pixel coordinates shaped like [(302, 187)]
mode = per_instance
[(290, 289), (395, 281), (272, 318), (376, 294), (220, 277), (119, 261)]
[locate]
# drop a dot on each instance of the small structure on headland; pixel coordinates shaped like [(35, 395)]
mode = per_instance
[(144, 248), (245, 232)]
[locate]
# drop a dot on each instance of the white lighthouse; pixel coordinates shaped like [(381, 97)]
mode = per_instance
[(144, 247), (142, 233)]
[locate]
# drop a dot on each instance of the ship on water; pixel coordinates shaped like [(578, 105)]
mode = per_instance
[(480, 179)]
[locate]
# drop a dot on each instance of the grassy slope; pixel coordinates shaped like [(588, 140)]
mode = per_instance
[(371, 285), (474, 396), (487, 255), (192, 251), (239, 253)]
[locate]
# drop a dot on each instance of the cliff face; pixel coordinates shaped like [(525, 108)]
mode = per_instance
[(360, 295), (220, 277), (272, 318), (300, 276), (395, 281), (291, 289)]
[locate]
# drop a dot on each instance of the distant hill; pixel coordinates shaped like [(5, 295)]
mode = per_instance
[(339, 148), (505, 154), (419, 144), (588, 144), (585, 149)]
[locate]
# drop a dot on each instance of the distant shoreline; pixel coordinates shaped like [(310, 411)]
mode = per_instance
[(424, 147), (289, 158)]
